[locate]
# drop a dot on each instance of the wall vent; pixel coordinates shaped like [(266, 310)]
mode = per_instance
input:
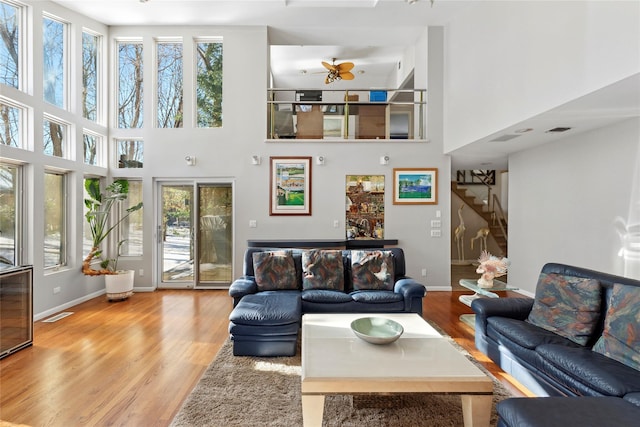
[(58, 317), (504, 138), (558, 130)]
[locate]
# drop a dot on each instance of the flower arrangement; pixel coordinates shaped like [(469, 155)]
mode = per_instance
[(490, 267)]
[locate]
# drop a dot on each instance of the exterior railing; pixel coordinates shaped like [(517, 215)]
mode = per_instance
[(344, 115)]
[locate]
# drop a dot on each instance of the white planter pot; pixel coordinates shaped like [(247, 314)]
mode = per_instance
[(119, 286)]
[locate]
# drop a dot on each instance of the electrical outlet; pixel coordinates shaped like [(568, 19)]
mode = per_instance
[(253, 223), (424, 272), (436, 223), (141, 272), (56, 290), (336, 223), (436, 233)]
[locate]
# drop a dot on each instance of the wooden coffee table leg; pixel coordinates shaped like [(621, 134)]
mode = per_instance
[(312, 410), (476, 410)]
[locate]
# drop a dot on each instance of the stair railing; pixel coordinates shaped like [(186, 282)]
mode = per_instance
[(498, 216)]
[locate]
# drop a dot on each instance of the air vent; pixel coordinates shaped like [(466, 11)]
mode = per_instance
[(504, 138), (58, 317), (558, 130)]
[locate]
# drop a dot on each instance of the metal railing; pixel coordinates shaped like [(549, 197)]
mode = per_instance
[(354, 114)]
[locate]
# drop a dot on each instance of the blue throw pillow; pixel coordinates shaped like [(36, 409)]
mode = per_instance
[(274, 270), (566, 305), (322, 269), (620, 339), (372, 270)]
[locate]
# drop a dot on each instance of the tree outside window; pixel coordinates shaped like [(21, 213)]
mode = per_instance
[(55, 137), (53, 64), (209, 84), (9, 45), (54, 220), (10, 125), (90, 45), (90, 148), (130, 85), (130, 153), (170, 93)]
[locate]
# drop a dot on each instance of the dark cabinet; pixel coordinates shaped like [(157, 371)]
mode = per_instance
[(16, 309)]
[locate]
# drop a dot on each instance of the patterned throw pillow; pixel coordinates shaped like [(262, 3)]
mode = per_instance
[(274, 270), (566, 305), (620, 339), (322, 269), (372, 270)]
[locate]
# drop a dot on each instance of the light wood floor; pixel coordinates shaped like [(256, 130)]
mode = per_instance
[(132, 363)]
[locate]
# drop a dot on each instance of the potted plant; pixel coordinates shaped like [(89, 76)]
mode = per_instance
[(119, 284)]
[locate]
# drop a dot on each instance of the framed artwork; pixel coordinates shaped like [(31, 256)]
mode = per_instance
[(290, 186), (415, 186)]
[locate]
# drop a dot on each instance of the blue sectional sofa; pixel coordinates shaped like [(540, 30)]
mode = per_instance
[(579, 337), (279, 285)]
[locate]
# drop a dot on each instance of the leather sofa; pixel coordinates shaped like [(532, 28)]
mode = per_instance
[(266, 322), (549, 363)]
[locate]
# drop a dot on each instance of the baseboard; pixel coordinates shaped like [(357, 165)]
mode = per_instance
[(47, 313)]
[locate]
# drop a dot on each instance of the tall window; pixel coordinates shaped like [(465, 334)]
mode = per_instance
[(130, 85), (53, 61), (55, 238), (10, 120), (170, 94), (209, 84), (9, 44), (10, 214), (90, 46), (55, 137), (130, 230), (91, 148)]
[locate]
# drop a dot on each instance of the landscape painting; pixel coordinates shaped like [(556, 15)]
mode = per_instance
[(415, 186), (290, 186)]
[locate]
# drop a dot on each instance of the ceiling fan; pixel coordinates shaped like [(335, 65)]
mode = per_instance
[(338, 71)]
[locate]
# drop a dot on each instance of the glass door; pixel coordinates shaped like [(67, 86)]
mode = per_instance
[(195, 223), (215, 234)]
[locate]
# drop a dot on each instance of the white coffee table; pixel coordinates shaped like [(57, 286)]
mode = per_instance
[(335, 361)]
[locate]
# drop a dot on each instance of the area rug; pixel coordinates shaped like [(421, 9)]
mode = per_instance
[(255, 391)]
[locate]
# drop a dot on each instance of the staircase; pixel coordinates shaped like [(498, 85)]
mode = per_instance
[(496, 221)]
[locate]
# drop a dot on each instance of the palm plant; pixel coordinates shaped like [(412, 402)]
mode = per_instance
[(99, 206)]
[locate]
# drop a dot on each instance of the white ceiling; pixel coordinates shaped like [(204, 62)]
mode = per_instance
[(373, 34)]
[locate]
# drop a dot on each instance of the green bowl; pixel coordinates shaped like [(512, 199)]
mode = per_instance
[(377, 330)]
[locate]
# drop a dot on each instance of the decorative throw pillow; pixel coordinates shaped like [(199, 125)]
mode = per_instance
[(372, 270), (620, 339), (322, 269), (274, 270), (566, 305)]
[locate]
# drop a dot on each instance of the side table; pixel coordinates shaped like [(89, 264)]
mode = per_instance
[(472, 284)]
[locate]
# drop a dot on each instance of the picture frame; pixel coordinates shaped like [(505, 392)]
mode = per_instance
[(415, 186), (290, 185)]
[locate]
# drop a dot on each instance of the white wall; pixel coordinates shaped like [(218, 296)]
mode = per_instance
[(565, 199), (507, 61), (225, 154)]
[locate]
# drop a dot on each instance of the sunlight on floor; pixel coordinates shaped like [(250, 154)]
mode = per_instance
[(278, 367)]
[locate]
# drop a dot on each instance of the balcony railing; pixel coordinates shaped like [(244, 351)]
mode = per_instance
[(346, 115)]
